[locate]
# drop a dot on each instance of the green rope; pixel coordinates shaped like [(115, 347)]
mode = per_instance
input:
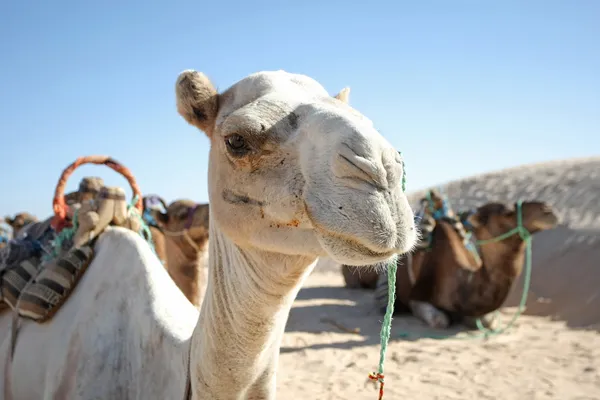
[(67, 233), (386, 326), (526, 237), (144, 231), (387, 319), (63, 237)]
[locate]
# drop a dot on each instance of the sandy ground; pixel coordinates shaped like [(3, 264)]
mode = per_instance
[(553, 352)]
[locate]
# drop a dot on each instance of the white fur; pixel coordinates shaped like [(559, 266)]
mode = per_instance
[(123, 334)]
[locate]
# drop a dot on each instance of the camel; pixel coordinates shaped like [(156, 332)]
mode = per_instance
[(180, 236), (88, 189), (448, 284), (294, 174), (19, 221)]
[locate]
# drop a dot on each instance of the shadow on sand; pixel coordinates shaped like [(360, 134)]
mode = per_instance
[(360, 320)]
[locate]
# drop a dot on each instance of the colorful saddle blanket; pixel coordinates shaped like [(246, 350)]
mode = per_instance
[(435, 207), (40, 269)]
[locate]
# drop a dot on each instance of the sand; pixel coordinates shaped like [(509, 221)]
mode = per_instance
[(552, 352)]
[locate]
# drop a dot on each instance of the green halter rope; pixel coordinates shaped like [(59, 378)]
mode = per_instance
[(526, 237), (386, 326)]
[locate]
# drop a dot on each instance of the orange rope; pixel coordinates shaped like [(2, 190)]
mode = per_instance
[(59, 205), (374, 376)]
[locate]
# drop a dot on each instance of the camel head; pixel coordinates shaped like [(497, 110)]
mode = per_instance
[(186, 221), (154, 207), (494, 219), (20, 220), (89, 187), (293, 170)]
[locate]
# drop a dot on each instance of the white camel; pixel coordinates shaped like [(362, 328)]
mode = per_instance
[(294, 174)]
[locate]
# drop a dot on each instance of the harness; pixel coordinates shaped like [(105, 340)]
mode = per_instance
[(429, 214), (153, 202), (185, 232)]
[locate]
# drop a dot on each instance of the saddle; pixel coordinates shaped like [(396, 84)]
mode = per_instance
[(40, 269), (434, 207)]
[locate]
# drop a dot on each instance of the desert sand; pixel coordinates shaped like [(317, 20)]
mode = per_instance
[(553, 351)]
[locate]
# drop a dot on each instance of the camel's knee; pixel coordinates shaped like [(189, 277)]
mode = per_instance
[(429, 314)]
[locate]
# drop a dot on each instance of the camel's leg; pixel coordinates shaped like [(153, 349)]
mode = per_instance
[(429, 314), (488, 321)]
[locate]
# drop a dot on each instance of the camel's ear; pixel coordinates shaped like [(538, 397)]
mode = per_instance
[(197, 100), (344, 95), (474, 220)]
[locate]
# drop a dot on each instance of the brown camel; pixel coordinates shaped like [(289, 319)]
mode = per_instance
[(19, 221), (180, 237), (449, 284)]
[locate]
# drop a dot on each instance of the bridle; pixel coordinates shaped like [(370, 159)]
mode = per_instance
[(185, 232)]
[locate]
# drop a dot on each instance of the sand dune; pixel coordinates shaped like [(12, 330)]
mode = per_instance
[(556, 356)]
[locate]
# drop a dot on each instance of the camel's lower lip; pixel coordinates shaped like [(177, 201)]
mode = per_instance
[(371, 253)]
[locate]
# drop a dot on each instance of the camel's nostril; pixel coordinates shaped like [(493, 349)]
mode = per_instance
[(350, 164)]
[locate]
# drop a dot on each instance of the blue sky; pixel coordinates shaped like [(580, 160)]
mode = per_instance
[(460, 87)]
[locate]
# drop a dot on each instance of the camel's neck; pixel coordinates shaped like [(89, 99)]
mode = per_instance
[(187, 267), (235, 347), (504, 259), (502, 264)]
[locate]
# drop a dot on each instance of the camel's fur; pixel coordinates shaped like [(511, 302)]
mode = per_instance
[(363, 278), (186, 262), (449, 283), (308, 177)]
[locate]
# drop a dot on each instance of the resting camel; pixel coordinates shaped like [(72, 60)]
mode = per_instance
[(180, 237), (294, 174), (448, 284)]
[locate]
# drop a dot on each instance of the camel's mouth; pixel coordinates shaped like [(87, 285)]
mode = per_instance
[(347, 249), (547, 220), (350, 252)]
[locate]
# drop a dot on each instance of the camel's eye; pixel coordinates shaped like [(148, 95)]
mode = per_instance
[(236, 145)]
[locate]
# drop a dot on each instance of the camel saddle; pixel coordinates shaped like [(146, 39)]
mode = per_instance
[(40, 269), (434, 207)]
